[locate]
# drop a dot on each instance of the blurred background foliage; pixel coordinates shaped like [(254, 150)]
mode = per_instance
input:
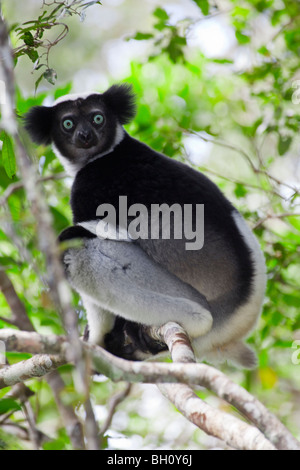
[(218, 86)]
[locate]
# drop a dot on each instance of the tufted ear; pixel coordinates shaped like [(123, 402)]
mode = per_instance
[(121, 100), (38, 123)]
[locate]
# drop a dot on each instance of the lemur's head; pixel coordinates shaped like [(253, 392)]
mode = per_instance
[(82, 127)]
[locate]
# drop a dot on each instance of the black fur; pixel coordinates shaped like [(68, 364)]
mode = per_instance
[(42, 122), (147, 177), (39, 123), (128, 338), (121, 100), (76, 231)]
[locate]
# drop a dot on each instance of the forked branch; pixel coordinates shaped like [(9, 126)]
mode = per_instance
[(233, 431)]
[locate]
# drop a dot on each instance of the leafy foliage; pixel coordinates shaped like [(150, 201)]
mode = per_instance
[(36, 44)]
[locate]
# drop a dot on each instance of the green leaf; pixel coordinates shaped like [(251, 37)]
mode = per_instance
[(8, 404), (161, 14), (7, 261), (91, 3), (142, 36), (292, 300), (38, 81), (160, 26), (242, 38), (56, 444), (174, 51), (59, 220), (284, 144), (13, 357), (5, 181), (32, 54), (64, 90), (264, 51), (50, 75), (240, 13), (28, 38), (295, 222), (263, 5), (203, 5), (240, 190), (8, 155), (222, 61)]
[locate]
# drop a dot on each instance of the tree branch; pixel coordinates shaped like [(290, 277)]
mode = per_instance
[(59, 287), (21, 320), (72, 422), (37, 366), (214, 380), (214, 422), (152, 372), (247, 157), (113, 403), (19, 314), (20, 185)]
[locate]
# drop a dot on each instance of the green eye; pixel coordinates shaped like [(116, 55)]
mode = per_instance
[(98, 119), (68, 124)]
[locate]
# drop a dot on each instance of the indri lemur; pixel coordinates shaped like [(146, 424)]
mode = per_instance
[(215, 292)]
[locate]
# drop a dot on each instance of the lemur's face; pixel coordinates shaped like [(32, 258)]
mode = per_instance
[(82, 127)]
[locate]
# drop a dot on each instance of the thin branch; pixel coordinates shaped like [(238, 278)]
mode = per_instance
[(33, 432), (247, 157), (113, 403), (223, 143), (9, 322), (281, 29), (275, 216), (72, 422), (19, 314), (20, 185), (236, 181)]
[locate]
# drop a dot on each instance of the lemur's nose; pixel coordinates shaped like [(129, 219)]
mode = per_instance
[(85, 136)]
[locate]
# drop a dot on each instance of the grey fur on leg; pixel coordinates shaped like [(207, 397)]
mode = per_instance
[(237, 352), (120, 278)]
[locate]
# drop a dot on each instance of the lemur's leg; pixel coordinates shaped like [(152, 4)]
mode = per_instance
[(120, 278)]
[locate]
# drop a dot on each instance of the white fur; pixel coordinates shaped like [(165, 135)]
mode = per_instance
[(75, 96), (100, 321), (72, 168), (112, 233)]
